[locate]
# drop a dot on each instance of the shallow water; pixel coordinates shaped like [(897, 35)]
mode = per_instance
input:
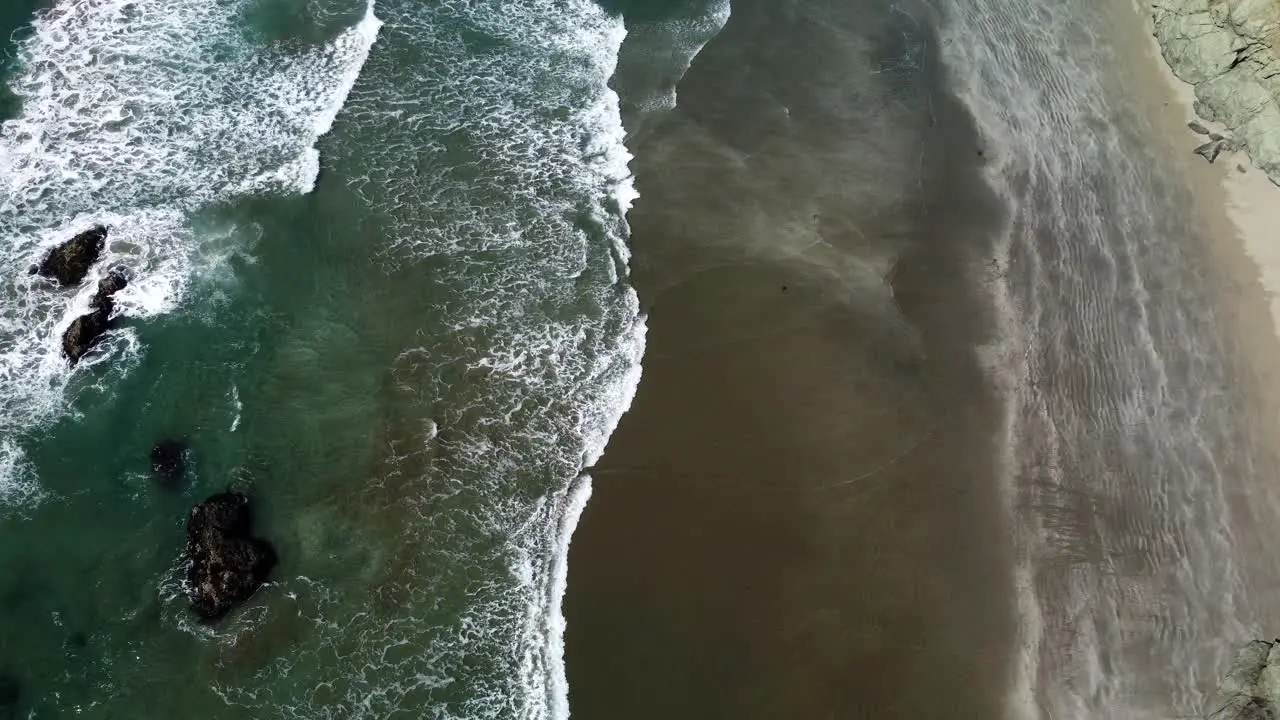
[(1125, 425), (851, 519)]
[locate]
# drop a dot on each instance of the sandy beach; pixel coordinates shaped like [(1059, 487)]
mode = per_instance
[(796, 518), (802, 516), (1240, 211)]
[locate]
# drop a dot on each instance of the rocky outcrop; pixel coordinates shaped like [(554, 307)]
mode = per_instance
[(1227, 49), (69, 262), (169, 462), (83, 333), (86, 330), (114, 282), (1215, 147), (1251, 688), (227, 564)]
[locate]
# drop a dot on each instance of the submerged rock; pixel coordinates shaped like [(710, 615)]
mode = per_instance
[(10, 695), (169, 461), (86, 330), (1198, 128), (227, 564), (77, 640), (69, 262)]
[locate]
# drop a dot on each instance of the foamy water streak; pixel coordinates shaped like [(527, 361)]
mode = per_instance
[(488, 147), (1117, 427), (135, 115), (659, 53)]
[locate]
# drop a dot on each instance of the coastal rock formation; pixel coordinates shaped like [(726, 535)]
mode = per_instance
[(86, 330), (169, 461), (83, 333), (1215, 147), (69, 262), (1228, 50), (114, 282), (1251, 688), (227, 563), (1210, 150)]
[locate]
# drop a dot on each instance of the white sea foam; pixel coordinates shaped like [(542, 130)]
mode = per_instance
[(558, 690), (524, 194), (234, 397), (658, 54), (136, 115)]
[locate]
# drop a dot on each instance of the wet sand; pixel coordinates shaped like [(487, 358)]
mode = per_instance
[(799, 516), (1239, 208)]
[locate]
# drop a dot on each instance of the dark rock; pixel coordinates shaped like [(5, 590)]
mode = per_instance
[(1210, 150), (10, 696), (1216, 136), (1197, 128), (69, 262), (227, 564), (169, 461), (86, 330), (114, 282), (84, 333)]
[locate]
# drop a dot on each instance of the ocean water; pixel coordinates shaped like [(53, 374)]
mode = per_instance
[(380, 251), (380, 283)]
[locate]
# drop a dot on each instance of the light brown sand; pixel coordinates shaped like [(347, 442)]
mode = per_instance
[(1240, 211), (799, 518)]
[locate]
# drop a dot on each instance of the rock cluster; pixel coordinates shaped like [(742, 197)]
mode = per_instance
[(227, 564), (1217, 143), (86, 330), (1227, 49), (69, 263)]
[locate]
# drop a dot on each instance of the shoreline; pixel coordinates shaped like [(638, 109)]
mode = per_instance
[(775, 517), (1239, 207), (722, 541)]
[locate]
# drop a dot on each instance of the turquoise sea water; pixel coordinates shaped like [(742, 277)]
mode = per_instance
[(381, 284)]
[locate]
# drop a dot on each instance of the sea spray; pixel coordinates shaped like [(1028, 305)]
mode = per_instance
[(412, 367), (485, 149), (136, 115)]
